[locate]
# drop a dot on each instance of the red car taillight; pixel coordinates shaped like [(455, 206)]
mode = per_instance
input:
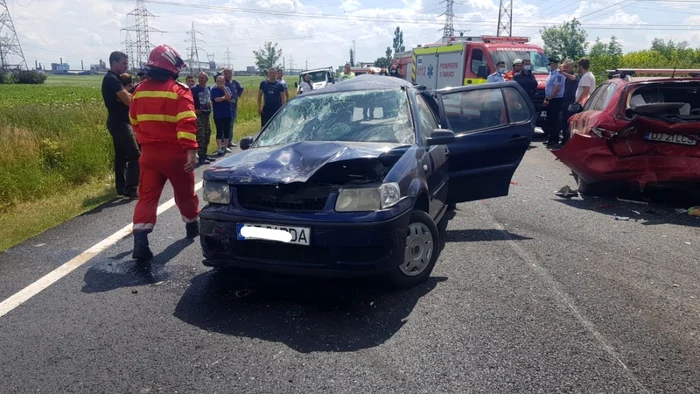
[(603, 133)]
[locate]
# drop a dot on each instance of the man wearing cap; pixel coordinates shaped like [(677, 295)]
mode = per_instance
[(553, 94), (497, 76), (517, 66)]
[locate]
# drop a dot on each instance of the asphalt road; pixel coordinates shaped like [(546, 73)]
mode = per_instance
[(531, 294)]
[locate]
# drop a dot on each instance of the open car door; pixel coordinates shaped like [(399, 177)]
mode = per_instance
[(493, 125)]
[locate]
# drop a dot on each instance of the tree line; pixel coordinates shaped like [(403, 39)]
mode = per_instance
[(570, 40)]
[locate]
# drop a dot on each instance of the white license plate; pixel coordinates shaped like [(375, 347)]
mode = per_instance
[(671, 138), (299, 235)]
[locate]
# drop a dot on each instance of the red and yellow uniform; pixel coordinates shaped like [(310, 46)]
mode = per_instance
[(509, 75), (163, 118)]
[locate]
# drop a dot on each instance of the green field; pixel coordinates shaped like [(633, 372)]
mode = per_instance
[(57, 157)]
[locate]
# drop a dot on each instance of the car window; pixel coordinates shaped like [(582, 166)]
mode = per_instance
[(477, 60), (595, 98), (354, 116), (518, 107), (426, 117), (474, 110), (609, 93)]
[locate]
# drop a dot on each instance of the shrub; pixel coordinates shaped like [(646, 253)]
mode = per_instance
[(30, 77)]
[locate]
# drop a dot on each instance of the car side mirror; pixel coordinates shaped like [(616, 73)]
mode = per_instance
[(441, 137), (483, 71), (575, 108), (245, 143)]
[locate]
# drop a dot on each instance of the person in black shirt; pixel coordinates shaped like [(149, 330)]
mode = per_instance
[(273, 91), (526, 79), (570, 86), (126, 151)]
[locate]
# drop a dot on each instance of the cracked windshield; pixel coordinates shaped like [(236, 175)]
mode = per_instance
[(364, 116)]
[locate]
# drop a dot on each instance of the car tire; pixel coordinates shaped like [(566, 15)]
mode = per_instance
[(421, 252)]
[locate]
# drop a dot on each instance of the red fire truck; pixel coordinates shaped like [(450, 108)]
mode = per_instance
[(459, 61)]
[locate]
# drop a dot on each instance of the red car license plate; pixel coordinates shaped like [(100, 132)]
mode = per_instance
[(671, 138)]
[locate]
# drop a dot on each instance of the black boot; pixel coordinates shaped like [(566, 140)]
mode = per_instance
[(192, 229), (141, 250)]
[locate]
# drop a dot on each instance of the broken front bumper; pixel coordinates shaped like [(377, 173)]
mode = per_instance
[(337, 249)]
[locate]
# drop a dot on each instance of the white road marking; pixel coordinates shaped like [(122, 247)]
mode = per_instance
[(52, 277)]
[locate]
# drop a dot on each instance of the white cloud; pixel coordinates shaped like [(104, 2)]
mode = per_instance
[(90, 29)]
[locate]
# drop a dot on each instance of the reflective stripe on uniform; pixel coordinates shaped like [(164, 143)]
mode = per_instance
[(133, 121), (187, 135), (166, 118), (154, 94), (185, 115)]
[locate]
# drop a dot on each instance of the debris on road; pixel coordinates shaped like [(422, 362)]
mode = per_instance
[(540, 176), (676, 285), (680, 210), (622, 218), (637, 212), (243, 293), (514, 183), (566, 192), (694, 211), (134, 291), (632, 201)]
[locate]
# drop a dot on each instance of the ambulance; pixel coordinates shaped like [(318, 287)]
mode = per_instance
[(460, 61)]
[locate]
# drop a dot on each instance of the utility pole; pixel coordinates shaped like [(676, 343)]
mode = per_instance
[(354, 51), (194, 50), (448, 30), (291, 64), (505, 19), (129, 50), (307, 63), (11, 54), (228, 59), (143, 42)]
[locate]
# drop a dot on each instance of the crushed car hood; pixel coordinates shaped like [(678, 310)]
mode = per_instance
[(295, 162)]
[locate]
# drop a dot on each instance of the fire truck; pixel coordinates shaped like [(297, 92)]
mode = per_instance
[(459, 61)]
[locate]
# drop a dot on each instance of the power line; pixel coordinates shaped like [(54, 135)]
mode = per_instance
[(449, 30)]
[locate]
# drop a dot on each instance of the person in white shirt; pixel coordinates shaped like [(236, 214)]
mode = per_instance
[(306, 84), (586, 84)]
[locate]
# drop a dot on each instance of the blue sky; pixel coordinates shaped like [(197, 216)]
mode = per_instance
[(321, 32)]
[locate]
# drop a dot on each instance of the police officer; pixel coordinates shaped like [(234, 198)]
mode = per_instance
[(553, 94), (570, 87), (497, 76)]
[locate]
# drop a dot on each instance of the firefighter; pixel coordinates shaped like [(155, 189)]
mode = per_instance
[(163, 117), (517, 67)]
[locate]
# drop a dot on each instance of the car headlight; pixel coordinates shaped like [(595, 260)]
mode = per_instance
[(216, 192), (364, 199)]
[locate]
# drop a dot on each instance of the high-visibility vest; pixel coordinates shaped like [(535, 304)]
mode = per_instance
[(163, 112)]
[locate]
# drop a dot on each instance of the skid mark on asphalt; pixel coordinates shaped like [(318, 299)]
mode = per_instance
[(52, 277), (555, 286)]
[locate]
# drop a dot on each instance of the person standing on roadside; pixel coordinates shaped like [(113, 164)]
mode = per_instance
[(126, 151), (526, 79), (162, 113), (553, 96), (236, 93), (347, 73), (190, 81), (517, 67), (221, 95), (273, 92), (202, 107), (306, 84), (497, 76), (587, 83), (570, 88), (280, 78)]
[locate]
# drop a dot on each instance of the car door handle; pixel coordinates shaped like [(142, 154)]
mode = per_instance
[(518, 139)]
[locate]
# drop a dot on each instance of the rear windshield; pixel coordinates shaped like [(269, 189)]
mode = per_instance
[(667, 100)]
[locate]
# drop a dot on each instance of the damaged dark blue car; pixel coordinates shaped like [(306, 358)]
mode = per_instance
[(351, 180)]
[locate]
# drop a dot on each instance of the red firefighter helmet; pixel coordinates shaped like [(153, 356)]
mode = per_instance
[(167, 58)]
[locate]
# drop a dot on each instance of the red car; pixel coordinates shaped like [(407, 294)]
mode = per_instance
[(636, 132)]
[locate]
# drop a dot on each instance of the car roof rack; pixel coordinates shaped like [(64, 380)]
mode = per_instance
[(622, 73)]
